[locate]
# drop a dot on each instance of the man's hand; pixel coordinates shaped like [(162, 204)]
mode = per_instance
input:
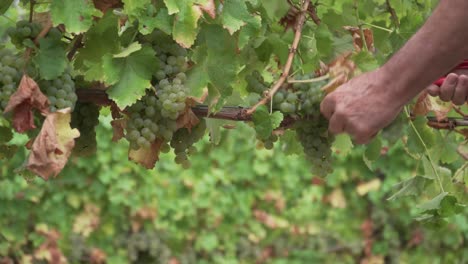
[(454, 88), (363, 106)]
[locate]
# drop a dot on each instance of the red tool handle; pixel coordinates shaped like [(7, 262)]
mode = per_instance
[(461, 66)]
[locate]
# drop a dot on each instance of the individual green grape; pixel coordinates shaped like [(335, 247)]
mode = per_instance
[(85, 118)]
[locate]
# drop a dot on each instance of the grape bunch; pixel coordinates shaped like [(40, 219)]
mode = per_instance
[(183, 142), (23, 33), (172, 95), (85, 118), (146, 123), (60, 92), (316, 141), (147, 247), (10, 75)]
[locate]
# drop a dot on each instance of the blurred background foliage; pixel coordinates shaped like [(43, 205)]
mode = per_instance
[(236, 205)]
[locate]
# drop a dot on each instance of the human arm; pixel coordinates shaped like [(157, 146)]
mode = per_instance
[(369, 102)]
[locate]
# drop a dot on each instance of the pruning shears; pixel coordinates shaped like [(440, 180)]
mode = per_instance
[(461, 66)]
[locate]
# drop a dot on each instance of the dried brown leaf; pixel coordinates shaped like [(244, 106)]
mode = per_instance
[(52, 147), (357, 38), (147, 157), (423, 105), (23, 101), (340, 71), (49, 250)]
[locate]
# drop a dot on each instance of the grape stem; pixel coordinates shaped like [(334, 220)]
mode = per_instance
[(287, 67), (314, 80)]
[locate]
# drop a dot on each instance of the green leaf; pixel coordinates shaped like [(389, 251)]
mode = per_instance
[(373, 149), (266, 123), (76, 15), (51, 58), (366, 61), (5, 134), (172, 6), (276, 9), (343, 144), (235, 15), (4, 5), (185, 28), (102, 39), (289, 143), (433, 204), (207, 242), (411, 187), (130, 76), (134, 47), (420, 136)]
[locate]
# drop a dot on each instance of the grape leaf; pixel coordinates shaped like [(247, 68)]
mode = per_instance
[(101, 39), (185, 29), (130, 76), (265, 122), (420, 136), (373, 149), (76, 15), (4, 5), (411, 187), (23, 101), (289, 143), (51, 58), (52, 147), (236, 15), (5, 134), (343, 144), (172, 6)]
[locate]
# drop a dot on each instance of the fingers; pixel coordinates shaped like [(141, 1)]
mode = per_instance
[(461, 90), (434, 90), (447, 89), (337, 123), (327, 107)]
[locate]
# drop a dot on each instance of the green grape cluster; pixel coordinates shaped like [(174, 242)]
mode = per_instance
[(146, 123), (286, 100), (60, 92), (147, 247), (256, 83), (172, 95), (269, 143), (316, 141), (10, 75), (85, 118), (183, 143), (23, 33)]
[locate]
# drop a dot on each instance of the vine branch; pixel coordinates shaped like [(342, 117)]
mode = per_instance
[(393, 14), (287, 67), (234, 113)]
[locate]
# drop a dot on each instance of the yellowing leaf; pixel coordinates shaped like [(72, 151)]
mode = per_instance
[(52, 147)]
